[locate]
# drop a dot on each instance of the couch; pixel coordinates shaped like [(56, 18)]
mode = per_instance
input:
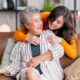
[(65, 61)]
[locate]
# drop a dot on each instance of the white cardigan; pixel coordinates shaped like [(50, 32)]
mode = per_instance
[(21, 54)]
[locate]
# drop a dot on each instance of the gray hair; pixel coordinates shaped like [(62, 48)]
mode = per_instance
[(26, 13)]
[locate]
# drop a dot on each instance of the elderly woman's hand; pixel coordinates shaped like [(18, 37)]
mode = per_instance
[(33, 39), (34, 62), (41, 58), (4, 71)]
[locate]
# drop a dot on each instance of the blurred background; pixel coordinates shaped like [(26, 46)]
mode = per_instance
[(10, 9)]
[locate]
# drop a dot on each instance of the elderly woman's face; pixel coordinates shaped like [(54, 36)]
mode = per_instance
[(35, 24), (57, 24)]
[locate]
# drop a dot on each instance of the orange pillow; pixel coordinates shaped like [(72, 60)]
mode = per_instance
[(44, 16)]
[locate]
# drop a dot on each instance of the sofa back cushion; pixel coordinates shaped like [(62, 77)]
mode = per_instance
[(3, 40), (7, 52)]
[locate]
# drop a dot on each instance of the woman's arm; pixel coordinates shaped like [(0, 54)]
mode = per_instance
[(20, 35), (55, 51), (69, 49), (41, 58)]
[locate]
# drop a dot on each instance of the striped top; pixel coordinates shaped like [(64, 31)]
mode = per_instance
[(21, 54)]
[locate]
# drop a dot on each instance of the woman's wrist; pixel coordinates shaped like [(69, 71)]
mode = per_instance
[(39, 58), (46, 56), (60, 40), (7, 72)]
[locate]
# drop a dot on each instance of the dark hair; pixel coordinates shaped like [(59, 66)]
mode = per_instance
[(67, 30)]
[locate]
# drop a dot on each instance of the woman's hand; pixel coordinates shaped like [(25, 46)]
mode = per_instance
[(4, 71), (34, 62), (33, 39), (54, 39)]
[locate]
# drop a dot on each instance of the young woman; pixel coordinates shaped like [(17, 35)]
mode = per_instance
[(61, 23)]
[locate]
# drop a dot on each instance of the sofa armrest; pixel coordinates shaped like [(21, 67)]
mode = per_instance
[(78, 46), (66, 61)]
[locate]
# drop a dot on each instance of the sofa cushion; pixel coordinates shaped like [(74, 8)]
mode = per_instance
[(72, 72), (3, 77), (4, 36), (6, 55)]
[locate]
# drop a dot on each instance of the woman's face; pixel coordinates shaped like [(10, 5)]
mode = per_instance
[(35, 24), (58, 23)]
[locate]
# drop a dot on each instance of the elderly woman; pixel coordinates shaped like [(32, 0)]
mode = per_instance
[(35, 62)]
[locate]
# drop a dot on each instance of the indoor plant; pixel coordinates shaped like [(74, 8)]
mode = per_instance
[(48, 6)]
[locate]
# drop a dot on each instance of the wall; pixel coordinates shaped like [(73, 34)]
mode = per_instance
[(37, 3), (69, 4), (9, 17)]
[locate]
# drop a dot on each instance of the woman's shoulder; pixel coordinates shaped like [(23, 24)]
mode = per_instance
[(20, 44)]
